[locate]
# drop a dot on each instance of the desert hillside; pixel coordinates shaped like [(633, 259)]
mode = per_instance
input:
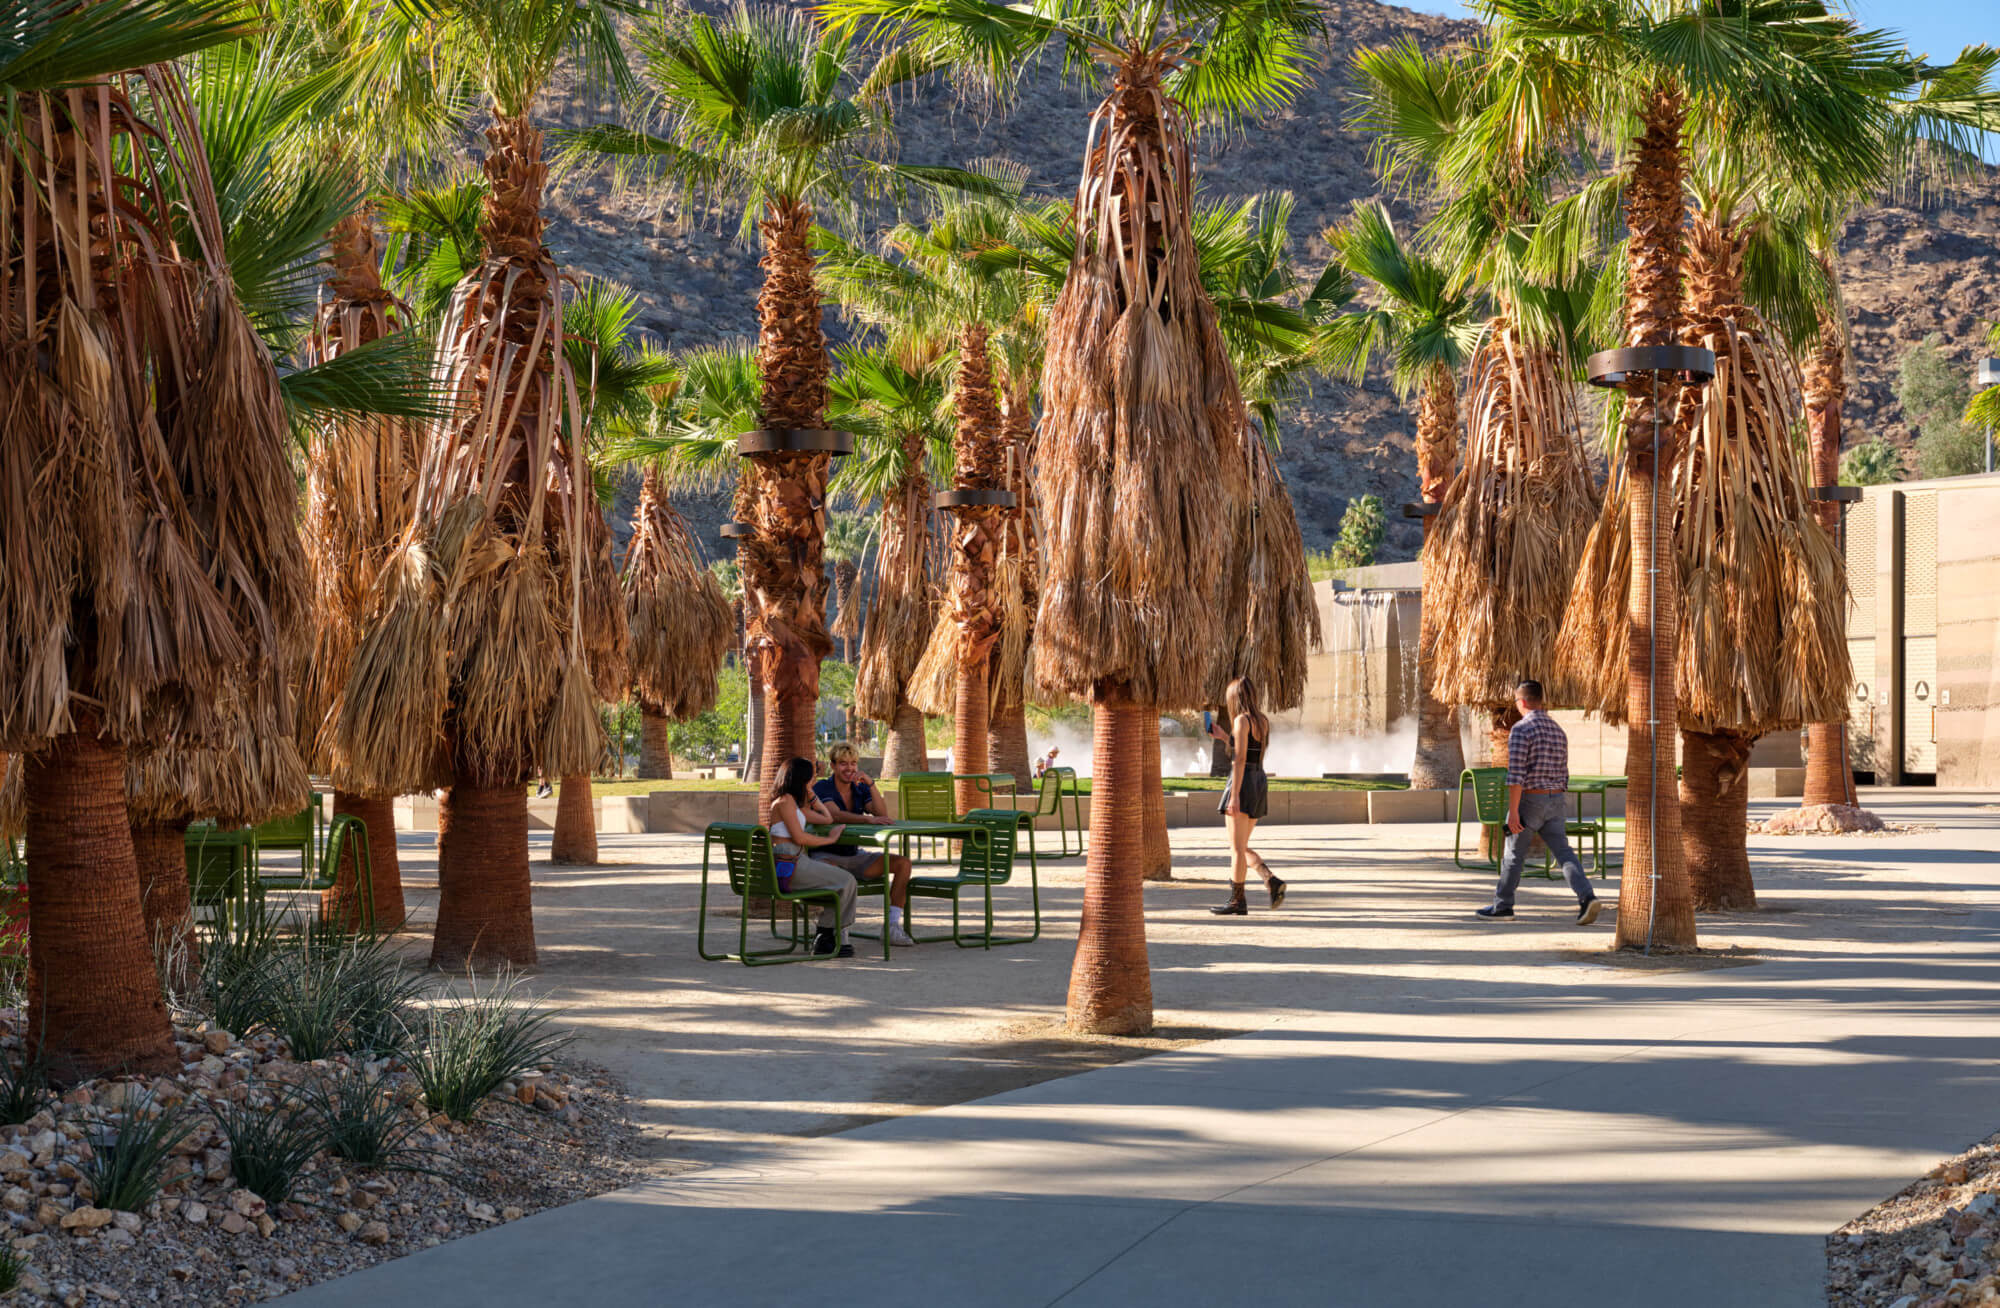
[(1907, 271)]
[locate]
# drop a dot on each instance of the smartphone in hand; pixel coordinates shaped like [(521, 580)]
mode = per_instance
[(1207, 721)]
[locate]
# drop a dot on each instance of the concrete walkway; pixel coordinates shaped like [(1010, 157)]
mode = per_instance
[(1591, 1133)]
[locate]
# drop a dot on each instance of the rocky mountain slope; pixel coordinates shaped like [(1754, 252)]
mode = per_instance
[(1907, 271)]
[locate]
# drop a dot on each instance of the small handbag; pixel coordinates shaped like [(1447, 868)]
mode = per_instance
[(785, 868)]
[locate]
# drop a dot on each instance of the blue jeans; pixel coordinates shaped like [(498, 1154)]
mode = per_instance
[(1544, 816)]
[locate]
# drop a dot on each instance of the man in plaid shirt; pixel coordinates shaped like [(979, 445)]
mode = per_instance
[(1537, 779)]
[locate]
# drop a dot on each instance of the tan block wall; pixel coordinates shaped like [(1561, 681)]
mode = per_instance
[(1968, 716)]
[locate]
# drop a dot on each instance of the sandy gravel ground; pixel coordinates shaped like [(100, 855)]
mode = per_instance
[(716, 1055)]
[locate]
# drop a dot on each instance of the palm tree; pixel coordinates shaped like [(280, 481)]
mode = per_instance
[(846, 549), (496, 624), (141, 400), (1930, 122), (686, 438), (1141, 461), (1502, 548), (1762, 586), (762, 109), (1428, 322), (398, 104), (1778, 76), (893, 397)]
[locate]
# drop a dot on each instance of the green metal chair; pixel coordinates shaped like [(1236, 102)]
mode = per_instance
[(1489, 798), (1489, 803), (1055, 781), (304, 831), (927, 797), (219, 873), (344, 834), (982, 865), (752, 872)]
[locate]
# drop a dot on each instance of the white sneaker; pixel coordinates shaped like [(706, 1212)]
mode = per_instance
[(899, 937)]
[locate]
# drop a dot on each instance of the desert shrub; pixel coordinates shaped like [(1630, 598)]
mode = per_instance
[(123, 1170), (472, 1043), (270, 1147), (364, 1123)]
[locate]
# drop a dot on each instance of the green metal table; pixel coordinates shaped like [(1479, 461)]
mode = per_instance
[(1600, 785), (895, 837)]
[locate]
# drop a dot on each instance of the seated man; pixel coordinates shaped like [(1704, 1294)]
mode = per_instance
[(851, 798)]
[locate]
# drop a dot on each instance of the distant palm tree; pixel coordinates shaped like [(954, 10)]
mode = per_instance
[(497, 626), (893, 398), (846, 548), (1428, 322), (763, 110)]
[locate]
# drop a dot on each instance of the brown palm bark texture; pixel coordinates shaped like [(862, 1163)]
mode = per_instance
[(1111, 983), (343, 902), (1829, 771), (1655, 900), (160, 849), (1439, 758), (784, 564), (485, 905), (975, 604), (574, 839)]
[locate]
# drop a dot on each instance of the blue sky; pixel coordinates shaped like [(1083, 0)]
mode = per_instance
[(1938, 29)]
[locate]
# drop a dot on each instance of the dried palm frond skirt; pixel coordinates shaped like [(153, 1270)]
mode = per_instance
[(1504, 551)]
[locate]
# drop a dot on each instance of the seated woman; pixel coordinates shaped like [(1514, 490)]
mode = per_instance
[(850, 796), (792, 807)]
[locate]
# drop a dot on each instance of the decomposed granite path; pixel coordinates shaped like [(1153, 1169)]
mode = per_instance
[(1573, 1133)]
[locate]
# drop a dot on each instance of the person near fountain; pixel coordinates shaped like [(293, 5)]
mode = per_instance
[(1247, 796), (1538, 805)]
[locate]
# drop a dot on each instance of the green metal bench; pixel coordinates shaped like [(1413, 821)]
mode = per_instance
[(980, 867), (927, 797), (346, 833), (752, 872)]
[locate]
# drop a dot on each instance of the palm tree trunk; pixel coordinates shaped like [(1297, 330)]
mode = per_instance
[(485, 915), (1110, 983), (788, 734), (1715, 815), (970, 726), (94, 1000), (1008, 742), (1158, 864), (656, 751), (905, 750), (1439, 757), (378, 814), (1829, 773), (160, 849), (575, 837), (1655, 901), (784, 561)]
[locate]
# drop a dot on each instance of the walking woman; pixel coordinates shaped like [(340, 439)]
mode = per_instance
[(1247, 796), (792, 806)]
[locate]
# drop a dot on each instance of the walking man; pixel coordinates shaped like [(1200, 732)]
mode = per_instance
[(1537, 805)]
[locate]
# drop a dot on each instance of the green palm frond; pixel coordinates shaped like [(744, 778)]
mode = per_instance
[(47, 47), (1425, 316), (434, 238), (390, 376)]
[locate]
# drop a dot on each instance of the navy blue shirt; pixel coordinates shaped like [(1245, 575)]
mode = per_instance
[(827, 791)]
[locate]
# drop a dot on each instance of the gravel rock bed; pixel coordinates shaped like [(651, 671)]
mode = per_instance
[(548, 1139), (1934, 1245)]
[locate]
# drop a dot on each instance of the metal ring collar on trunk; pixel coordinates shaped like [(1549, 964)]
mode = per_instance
[(1612, 367)]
